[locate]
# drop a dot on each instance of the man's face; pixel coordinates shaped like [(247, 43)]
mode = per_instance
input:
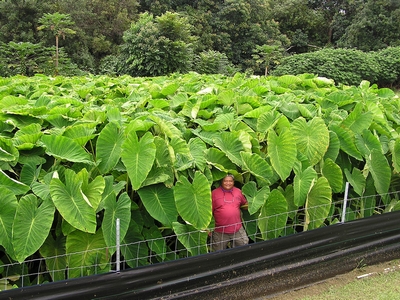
[(227, 183)]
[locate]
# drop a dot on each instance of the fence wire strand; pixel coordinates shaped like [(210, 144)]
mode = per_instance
[(46, 266)]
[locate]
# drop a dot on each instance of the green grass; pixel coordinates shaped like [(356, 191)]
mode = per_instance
[(379, 286)]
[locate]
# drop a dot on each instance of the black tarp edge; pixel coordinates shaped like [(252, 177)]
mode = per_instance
[(256, 270)]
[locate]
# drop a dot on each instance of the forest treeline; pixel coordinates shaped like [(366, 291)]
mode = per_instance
[(152, 38)]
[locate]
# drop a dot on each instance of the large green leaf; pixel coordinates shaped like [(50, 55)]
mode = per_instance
[(114, 210), (367, 142), (378, 166), (358, 121), (334, 146), (26, 137), (197, 150), (193, 200), (312, 138), (8, 203), (71, 203), (302, 184), (255, 198), (64, 148), (138, 157), (86, 254), (108, 147), (396, 155), (356, 180), (18, 188), (230, 144), (81, 133), (267, 121), (333, 173), (194, 240), (347, 141), (282, 151), (253, 163), (8, 152), (31, 225), (273, 215), (181, 155), (218, 159), (91, 191), (318, 204), (159, 202)]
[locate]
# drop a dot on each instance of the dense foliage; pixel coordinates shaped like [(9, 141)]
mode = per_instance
[(79, 152), (346, 66), (242, 31)]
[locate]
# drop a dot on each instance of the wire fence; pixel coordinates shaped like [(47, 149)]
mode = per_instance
[(176, 246)]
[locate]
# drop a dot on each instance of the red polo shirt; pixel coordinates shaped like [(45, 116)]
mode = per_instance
[(226, 209)]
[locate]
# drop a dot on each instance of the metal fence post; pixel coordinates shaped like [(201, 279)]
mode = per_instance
[(346, 192), (117, 227)]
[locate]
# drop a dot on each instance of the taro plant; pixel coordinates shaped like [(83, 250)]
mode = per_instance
[(80, 152)]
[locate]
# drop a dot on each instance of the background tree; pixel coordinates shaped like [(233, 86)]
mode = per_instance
[(375, 26), (58, 24), (157, 46)]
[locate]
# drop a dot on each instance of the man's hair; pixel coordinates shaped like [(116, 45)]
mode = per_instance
[(229, 175)]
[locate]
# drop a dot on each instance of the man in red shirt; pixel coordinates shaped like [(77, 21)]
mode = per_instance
[(226, 203)]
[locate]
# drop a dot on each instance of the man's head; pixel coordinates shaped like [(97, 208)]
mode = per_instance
[(228, 182)]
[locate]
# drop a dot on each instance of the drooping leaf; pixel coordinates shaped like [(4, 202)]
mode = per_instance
[(318, 203), (282, 151), (197, 150), (334, 146), (87, 255), (367, 142), (379, 168), (356, 179), (8, 152), (138, 157), (193, 200), (253, 163), (181, 154), (64, 148), (114, 210), (192, 239), (108, 147), (160, 203), (358, 121), (302, 184), (273, 215), (91, 191), (26, 137), (312, 138), (18, 188), (267, 121), (31, 225), (255, 198), (8, 203), (347, 141), (230, 144), (333, 173), (396, 155), (218, 159), (71, 203), (81, 133)]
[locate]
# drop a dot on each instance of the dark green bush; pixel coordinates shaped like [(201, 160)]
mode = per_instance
[(346, 66), (213, 62), (389, 63)]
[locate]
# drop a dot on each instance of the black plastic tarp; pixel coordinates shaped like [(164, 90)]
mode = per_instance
[(257, 270)]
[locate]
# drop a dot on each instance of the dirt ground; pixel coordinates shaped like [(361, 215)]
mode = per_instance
[(339, 281)]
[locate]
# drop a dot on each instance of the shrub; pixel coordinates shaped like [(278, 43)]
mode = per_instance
[(346, 66)]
